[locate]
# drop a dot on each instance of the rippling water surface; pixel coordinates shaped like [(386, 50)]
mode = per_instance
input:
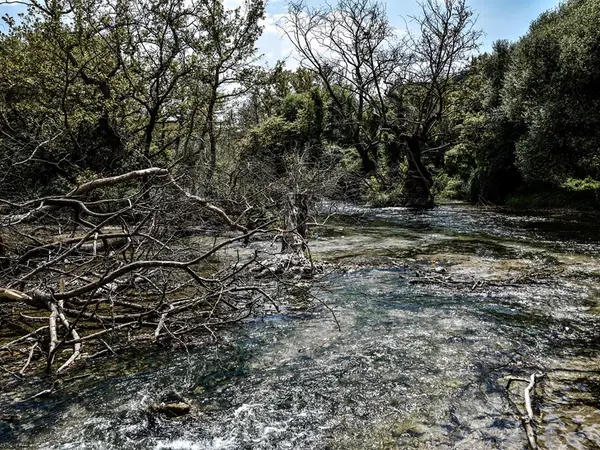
[(434, 312)]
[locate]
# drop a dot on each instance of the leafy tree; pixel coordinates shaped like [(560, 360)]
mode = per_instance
[(551, 89), (485, 157), (55, 120), (228, 50), (110, 83), (295, 128), (536, 126)]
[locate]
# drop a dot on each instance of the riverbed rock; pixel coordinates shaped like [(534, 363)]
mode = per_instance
[(288, 264), (171, 404), (171, 409)]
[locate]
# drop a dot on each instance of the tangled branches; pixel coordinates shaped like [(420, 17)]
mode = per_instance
[(109, 264)]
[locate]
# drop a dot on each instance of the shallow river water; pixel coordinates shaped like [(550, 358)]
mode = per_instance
[(434, 312)]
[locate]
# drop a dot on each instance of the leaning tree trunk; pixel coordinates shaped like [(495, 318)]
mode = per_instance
[(416, 191), (395, 153)]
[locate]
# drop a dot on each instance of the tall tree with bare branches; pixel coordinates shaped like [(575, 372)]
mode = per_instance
[(386, 89), (439, 50), (349, 47)]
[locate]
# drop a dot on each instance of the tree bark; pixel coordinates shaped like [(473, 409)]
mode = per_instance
[(367, 163), (394, 156), (416, 191), (296, 217), (210, 127)]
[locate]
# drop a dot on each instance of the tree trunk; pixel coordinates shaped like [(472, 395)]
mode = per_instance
[(394, 156), (368, 165), (148, 132), (210, 125), (416, 191), (212, 142), (296, 217)]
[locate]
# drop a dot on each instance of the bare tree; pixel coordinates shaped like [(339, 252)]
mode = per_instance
[(382, 85), (349, 47), (420, 95), (105, 272)]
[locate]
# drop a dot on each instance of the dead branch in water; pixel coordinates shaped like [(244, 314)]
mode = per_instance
[(40, 207), (528, 420), (109, 273)]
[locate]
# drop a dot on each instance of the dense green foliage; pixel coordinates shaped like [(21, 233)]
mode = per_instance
[(101, 87), (535, 124), (98, 87)]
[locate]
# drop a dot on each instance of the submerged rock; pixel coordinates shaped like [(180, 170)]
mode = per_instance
[(172, 404), (171, 409)]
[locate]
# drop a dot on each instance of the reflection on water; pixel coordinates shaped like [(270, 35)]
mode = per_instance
[(415, 365)]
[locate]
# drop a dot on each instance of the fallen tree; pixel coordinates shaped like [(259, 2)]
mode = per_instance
[(88, 273)]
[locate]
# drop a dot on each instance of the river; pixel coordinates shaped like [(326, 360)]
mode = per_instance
[(429, 314)]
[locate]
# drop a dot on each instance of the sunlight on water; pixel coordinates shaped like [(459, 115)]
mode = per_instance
[(415, 365)]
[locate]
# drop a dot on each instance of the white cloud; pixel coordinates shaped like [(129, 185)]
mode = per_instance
[(273, 43), (232, 4)]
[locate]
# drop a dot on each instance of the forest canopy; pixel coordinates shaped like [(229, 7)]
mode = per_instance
[(101, 87), (532, 126)]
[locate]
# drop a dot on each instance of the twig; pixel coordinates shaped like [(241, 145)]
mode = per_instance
[(23, 338), (528, 420), (53, 334), (31, 350)]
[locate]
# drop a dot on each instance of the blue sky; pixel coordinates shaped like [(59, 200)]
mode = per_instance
[(504, 19), (499, 19)]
